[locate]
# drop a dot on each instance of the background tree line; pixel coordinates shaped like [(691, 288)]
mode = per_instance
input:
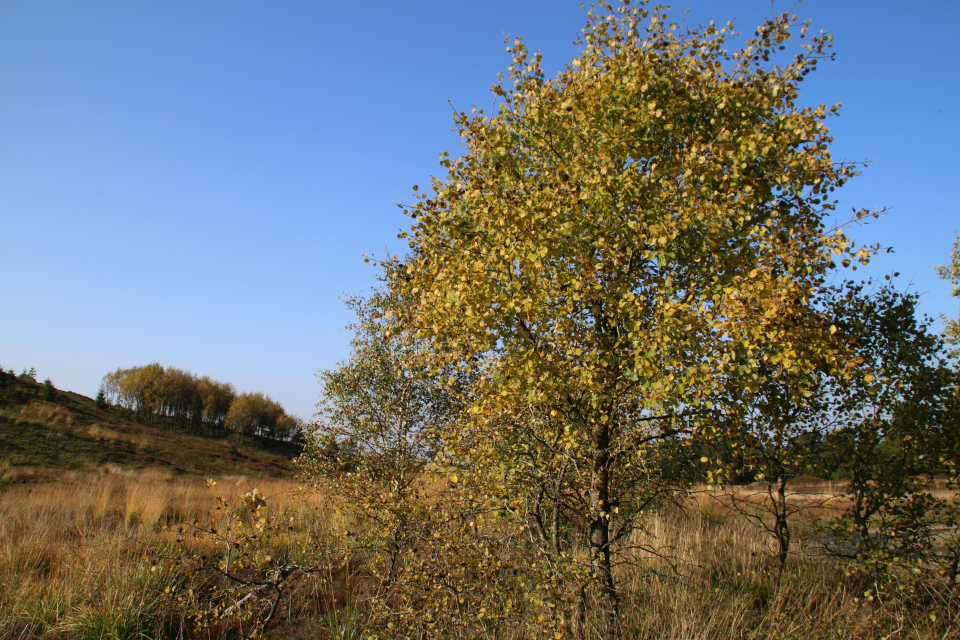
[(172, 396)]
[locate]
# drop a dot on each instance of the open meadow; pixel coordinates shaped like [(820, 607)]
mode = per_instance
[(95, 555)]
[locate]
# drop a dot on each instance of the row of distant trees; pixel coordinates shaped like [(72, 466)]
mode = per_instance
[(168, 395)]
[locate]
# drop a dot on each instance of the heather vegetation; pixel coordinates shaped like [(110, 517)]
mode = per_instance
[(622, 385), (41, 438)]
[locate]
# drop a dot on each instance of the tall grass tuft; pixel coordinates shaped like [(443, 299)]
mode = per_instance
[(73, 552)]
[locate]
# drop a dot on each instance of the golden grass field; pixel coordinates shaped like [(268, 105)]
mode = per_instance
[(79, 559), (73, 548)]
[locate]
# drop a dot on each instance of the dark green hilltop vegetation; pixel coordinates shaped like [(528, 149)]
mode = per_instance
[(621, 385)]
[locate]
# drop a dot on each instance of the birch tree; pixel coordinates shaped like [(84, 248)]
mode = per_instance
[(618, 247)]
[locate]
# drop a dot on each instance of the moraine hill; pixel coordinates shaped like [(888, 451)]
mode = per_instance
[(38, 437)]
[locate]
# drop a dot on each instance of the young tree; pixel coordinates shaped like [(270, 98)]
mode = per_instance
[(894, 425), (617, 247), (49, 392), (779, 434), (101, 400), (376, 428)]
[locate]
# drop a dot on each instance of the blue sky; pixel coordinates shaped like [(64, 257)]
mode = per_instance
[(194, 183)]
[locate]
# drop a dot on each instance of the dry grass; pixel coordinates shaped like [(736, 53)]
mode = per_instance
[(703, 571), (40, 413), (72, 551), (712, 577), (73, 565), (69, 565)]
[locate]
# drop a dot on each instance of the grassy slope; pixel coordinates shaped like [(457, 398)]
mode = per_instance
[(71, 433)]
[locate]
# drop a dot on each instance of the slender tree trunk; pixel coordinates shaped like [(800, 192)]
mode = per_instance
[(782, 526), (555, 526), (954, 567), (600, 534)]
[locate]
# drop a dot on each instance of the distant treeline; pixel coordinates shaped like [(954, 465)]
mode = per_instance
[(167, 395)]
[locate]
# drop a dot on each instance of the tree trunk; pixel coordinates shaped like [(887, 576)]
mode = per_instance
[(782, 526), (608, 596)]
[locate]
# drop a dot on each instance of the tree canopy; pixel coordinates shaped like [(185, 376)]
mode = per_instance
[(621, 246)]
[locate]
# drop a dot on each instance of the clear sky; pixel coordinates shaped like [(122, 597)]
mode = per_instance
[(194, 183)]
